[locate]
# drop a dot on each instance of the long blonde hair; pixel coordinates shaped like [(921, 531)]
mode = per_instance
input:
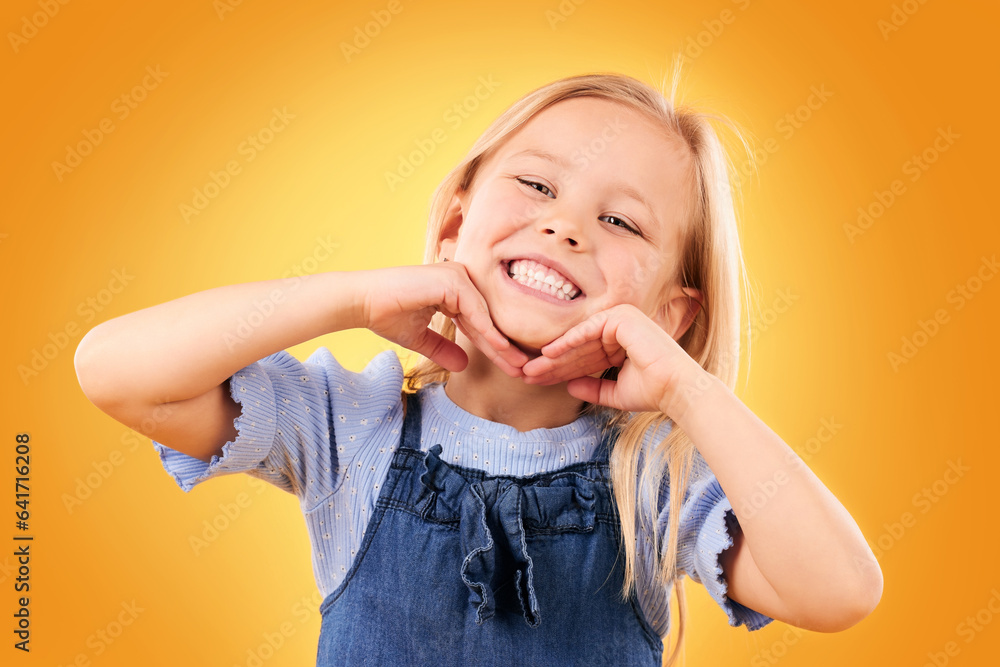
[(711, 261)]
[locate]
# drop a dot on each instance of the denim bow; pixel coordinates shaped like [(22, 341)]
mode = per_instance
[(494, 516)]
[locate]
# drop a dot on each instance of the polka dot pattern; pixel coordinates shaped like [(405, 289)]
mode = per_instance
[(338, 485)]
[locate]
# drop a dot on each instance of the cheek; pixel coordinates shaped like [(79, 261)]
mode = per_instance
[(638, 279), (512, 206), (525, 209), (489, 210)]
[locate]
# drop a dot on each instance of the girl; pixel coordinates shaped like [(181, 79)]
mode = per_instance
[(529, 493)]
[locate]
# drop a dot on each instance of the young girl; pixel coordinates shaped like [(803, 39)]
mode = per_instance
[(529, 493)]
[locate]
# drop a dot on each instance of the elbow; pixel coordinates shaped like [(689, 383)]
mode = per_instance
[(83, 365), (88, 367), (860, 606), (869, 589), (855, 597)]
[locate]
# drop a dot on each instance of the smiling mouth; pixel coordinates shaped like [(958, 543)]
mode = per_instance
[(542, 278)]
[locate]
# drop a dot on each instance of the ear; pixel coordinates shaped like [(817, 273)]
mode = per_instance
[(678, 310), (450, 227)]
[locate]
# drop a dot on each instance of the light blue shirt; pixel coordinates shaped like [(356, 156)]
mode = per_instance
[(290, 408)]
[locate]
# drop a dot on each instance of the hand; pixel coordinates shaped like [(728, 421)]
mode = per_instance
[(652, 364), (398, 304)]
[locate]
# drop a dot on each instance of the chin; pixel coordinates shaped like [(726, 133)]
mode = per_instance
[(532, 350), (529, 338), (531, 343)]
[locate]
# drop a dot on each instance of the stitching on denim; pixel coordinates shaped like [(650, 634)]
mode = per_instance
[(411, 456), (539, 479), (370, 532), (655, 642), (536, 529), (484, 590), (526, 605)]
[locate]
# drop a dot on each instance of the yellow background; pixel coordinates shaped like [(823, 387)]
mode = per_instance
[(322, 179)]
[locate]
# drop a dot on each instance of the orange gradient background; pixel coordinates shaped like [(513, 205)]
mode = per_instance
[(316, 199)]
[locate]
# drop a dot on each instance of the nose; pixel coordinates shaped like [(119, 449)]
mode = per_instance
[(564, 225)]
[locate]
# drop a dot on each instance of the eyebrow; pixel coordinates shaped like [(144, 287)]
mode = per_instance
[(622, 188), (535, 152)]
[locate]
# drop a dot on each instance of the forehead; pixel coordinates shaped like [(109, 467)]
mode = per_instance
[(589, 122), (608, 143)]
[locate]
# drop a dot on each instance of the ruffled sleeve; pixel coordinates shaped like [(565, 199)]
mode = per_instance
[(300, 423), (705, 530)]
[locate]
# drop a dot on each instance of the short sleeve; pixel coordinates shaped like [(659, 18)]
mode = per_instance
[(704, 532), (299, 422)]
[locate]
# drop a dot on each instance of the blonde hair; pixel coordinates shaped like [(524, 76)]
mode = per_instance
[(711, 261)]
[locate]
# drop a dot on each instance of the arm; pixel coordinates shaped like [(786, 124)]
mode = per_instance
[(800, 557), (163, 370)]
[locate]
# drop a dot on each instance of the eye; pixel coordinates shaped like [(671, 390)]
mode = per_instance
[(537, 186), (619, 222)]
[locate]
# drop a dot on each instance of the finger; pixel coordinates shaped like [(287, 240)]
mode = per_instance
[(440, 350), (511, 355), (499, 358), (463, 301), (478, 324), (561, 375), (475, 322), (598, 391), (587, 389), (538, 367), (593, 356), (513, 371), (557, 371), (587, 353), (590, 329)]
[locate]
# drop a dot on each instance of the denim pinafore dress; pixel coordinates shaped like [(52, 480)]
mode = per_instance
[(461, 568)]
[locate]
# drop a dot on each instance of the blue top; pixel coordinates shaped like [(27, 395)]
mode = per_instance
[(289, 409)]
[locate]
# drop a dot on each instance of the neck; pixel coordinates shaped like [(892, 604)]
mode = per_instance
[(485, 391)]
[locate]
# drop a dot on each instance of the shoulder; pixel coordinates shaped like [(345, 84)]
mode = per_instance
[(322, 373), (383, 375), (353, 402), (658, 448), (385, 362), (358, 399)]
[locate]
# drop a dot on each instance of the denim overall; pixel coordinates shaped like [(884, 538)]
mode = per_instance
[(461, 568)]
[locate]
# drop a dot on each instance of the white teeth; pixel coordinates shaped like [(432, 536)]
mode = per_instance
[(542, 278)]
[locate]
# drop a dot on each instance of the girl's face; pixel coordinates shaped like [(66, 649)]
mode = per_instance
[(580, 210)]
